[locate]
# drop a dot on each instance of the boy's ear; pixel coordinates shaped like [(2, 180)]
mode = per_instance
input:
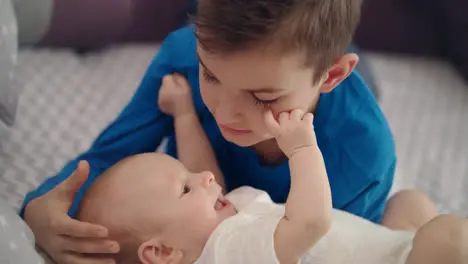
[(155, 252), (339, 71)]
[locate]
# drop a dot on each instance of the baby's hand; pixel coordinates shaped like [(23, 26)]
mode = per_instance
[(175, 96), (294, 131)]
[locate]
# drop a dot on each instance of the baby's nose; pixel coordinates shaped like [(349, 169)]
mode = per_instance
[(207, 178)]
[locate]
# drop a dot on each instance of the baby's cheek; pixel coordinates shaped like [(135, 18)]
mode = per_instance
[(206, 221), (202, 211)]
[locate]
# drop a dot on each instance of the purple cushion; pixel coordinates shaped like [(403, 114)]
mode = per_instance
[(88, 23), (153, 20), (456, 38), (397, 26), (422, 27), (97, 23)]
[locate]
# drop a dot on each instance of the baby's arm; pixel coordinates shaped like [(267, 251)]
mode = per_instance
[(308, 207), (193, 147)]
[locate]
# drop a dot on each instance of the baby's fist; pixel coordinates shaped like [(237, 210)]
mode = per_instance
[(175, 96), (293, 131)]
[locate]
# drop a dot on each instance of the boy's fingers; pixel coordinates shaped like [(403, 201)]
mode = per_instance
[(90, 246), (71, 258), (270, 122), (75, 228), (70, 186)]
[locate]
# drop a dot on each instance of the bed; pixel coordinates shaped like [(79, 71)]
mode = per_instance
[(425, 101)]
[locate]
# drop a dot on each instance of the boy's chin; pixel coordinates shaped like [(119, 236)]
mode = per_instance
[(245, 140)]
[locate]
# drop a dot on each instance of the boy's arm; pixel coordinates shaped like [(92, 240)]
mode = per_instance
[(193, 147), (139, 128), (367, 154), (308, 207), (370, 200)]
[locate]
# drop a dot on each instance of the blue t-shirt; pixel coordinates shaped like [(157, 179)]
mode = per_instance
[(352, 133)]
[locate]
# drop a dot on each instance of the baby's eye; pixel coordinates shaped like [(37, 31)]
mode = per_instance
[(187, 189)]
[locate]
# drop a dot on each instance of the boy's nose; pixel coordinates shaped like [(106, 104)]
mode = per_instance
[(226, 111)]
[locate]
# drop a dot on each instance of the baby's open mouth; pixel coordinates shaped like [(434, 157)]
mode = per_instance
[(220, 203)]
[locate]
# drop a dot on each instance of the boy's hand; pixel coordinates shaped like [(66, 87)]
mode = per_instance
[(293, 132), (66, 240), (175, 96)]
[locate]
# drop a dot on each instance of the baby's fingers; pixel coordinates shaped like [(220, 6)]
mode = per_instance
[(181, 80), (271, 123), (283, 118), (168, 79), (297, 115), (308, 118)]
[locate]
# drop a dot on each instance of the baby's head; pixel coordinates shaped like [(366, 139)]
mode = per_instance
[(156, 209)]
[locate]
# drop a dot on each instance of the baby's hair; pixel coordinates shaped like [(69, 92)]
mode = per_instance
[(322, 29), (129, 236), (129, 244)]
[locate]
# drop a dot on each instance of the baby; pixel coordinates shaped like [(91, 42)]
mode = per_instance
[(162, 213)]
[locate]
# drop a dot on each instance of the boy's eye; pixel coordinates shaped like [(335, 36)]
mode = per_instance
[(208, 77), (187, 189), (265, 103)]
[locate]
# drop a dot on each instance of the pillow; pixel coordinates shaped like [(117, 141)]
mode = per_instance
[(33, 19), (8, 57), (16, 239)]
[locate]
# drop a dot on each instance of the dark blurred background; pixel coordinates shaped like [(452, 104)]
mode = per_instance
[(435, 28)]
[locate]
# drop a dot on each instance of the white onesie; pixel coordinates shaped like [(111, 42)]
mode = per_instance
[(247, 237)]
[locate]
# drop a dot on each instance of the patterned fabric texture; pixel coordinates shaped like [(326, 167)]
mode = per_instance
[(8, 58), (16, 239), (425, 102)]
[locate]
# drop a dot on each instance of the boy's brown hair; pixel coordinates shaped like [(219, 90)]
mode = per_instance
[(322, 29)]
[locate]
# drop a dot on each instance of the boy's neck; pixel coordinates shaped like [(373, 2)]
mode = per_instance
[(269, 153)]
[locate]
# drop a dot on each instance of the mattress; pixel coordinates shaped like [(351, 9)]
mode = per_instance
[(426, 104), (68, 99)]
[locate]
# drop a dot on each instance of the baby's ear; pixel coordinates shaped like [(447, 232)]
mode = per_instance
[(155, 252)]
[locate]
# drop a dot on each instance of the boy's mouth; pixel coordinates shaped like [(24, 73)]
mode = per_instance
[(221, 203), (234, 131)]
